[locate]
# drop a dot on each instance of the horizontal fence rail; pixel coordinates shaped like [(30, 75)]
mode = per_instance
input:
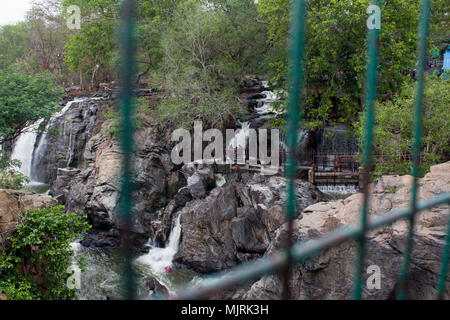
[(303, 251)]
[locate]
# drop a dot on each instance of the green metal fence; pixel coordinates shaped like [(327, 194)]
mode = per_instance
[(301, 251)]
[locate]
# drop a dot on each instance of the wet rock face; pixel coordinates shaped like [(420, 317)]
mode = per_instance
[(14, 203), (64, 143), (200, 179), (329, 275), (236, 222), (94, 189), (207, 243)]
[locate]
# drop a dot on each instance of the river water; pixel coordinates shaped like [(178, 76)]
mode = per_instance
[(103, 269)]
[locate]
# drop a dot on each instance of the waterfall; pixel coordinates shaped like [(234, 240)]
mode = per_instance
[(337, 139), (338, 189), (265, 105), (24, 146), (157, 259), (240, 138), (40, 151)]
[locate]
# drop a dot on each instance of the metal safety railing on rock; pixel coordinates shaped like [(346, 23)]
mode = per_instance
[(283, 261)]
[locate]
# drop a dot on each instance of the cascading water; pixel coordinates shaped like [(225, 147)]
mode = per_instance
[(40, 150), (103, 269), (30, 151), (241, 136), (24, 146), (159, 260), (338, 189), (335, 139), (266, 104)]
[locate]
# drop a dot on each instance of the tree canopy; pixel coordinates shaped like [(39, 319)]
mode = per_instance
[(197, 51), (24, 99), (206, 53), (336, 51), (394, 123)]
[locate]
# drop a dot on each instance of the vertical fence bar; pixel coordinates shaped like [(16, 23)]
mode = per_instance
[(366, 160), (295, 115), (126, 195), (417, 127), (444, 262)]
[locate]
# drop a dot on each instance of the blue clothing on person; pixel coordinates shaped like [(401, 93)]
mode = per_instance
[(446, 65)]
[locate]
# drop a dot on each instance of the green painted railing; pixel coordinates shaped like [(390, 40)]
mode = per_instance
[(302, 251)]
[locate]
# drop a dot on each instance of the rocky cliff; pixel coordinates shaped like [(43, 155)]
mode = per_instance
[(236, 222), (223, 225), (94, 188), (13, 204), (330, 274)]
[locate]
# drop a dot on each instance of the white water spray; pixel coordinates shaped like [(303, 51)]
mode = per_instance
[(265, 105), (24, 147), (157, 259), (39, 153)]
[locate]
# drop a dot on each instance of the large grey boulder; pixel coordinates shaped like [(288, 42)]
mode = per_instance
[(207, 243), (236, 222), (330, 274)]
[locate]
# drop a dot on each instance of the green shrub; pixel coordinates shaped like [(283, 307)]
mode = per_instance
[(141, 108), (35, 261), (394, 124), (10, 177)]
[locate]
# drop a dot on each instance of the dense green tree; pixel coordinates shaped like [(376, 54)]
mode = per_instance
[(24, 99), (14, 43), (207, 51), (90, 51), (153, 19), (336, 51), (394, 123), (34, 265)]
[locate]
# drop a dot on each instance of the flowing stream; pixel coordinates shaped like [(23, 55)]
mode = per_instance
[(28, 150), (103, 268)]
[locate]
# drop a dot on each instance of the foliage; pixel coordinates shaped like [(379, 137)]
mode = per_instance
[(139, 114), (336, 52), (25, 98), (91, 49), (393, 129), (207, 50), (10, 177), (14, 40), (153, 19), (48, 34), (34, 264), (36, 44)]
